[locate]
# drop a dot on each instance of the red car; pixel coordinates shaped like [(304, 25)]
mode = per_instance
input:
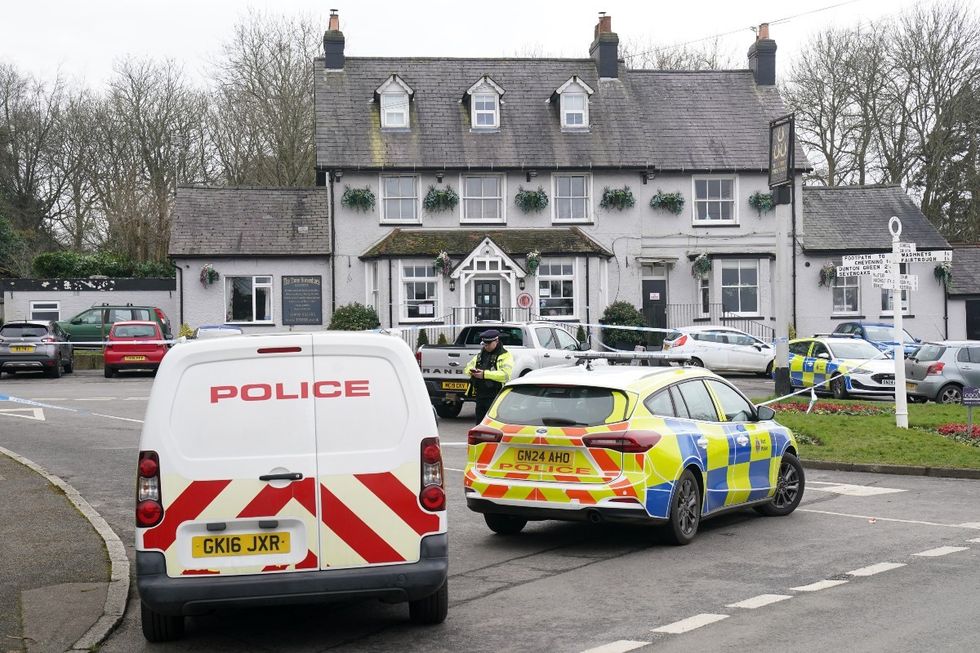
[(134, 346)]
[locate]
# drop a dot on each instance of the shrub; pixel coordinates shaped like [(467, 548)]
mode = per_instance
[(443, 340), (440, 199), (185, 331), (761, 202), (617, 198), (423, 338), (354, 317), (580, 334), (622, 314), (358, 199), (671, 202), (72, 265), (531, 201)]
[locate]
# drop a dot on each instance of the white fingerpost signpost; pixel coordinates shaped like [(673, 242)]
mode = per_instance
[(885, 271)]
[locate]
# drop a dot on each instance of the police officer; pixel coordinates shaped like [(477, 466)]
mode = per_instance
[(489, 370)]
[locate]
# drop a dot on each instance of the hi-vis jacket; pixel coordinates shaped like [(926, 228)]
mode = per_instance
[(496, 374)]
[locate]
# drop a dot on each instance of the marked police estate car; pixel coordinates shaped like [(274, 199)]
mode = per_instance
[(663, 445), (840, 365)]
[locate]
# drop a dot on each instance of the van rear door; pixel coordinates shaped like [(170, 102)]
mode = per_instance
[(234, 431), (372, 411)]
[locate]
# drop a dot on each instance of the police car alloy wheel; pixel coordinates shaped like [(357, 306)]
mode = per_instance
[(789, 488), (685, 510), (838, 386)]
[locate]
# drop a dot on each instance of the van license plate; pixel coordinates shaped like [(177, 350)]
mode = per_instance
[(246, 544), (134, 358), (461, 386), (544, 456), (21, 349)]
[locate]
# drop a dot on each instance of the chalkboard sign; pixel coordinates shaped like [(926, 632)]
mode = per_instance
[(971, 396), (302, 300)]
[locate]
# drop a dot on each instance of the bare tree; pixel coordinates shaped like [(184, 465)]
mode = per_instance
[(706, 56)]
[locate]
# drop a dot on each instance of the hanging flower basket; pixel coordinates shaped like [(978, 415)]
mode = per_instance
[(670, 202), (617, 198), (443, 263), (533, 261), (358, 199), (208, 275), (700, 266), (761, 202), (943, 273), (828, 274), (531, 201), (440, 199)]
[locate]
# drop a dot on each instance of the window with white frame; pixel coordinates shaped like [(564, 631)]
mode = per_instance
[(572, 198), (372, 295), (887, 306), (740, 286), (394, 109), (846, 292), (704, 294), (574, 110), (556, 288), (419, 288), (714, 199), (46, 311), (485, 110), (483, 198), (248, 299), (400, 199)]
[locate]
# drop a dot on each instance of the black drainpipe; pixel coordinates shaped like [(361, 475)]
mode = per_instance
[(793, 236), (333, 250), (180, 295), (391, 299)]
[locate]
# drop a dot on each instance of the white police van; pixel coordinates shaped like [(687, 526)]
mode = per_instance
[(289, 468)]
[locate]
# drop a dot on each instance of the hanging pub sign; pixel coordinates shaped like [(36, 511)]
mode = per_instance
[(302, 300), (781, 150)]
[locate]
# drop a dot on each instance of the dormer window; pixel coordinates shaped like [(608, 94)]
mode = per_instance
[(484, 99), (394, 97), (573, 105)]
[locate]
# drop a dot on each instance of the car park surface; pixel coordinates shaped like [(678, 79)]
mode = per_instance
[(720, 348), (31, 346), (938, 371)]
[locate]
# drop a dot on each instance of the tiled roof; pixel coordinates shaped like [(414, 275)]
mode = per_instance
[(460, 242), (965, 271), (856, 218), (251, 222), (669, 120)]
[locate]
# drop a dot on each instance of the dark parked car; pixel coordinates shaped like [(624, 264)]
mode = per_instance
[(92, 325), (939, 371), (879, 334), (34, 346)]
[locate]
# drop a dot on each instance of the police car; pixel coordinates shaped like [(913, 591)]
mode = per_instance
[(628, 444), (289, 468), (842, 365)]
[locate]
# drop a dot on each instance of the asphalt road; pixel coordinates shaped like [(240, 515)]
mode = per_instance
[(574, 587)]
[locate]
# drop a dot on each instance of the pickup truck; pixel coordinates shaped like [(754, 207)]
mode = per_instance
[(534, 345)]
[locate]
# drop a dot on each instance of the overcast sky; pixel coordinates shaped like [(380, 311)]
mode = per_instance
[(82, 38)]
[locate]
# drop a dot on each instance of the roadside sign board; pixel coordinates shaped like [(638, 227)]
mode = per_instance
[(866, 259), (905, 281), (971, 396), (938, 256), (859, 270), (781, 151)]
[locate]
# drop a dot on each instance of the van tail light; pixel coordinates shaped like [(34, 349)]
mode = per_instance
[(626, 442), (149, 507), (680, 342), (433, 495), (482, 434), (935, 368)]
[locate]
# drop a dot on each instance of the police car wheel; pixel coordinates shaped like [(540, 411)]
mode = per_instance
[(838, 387), (160, 627), (789, 488), (432, 609), (504, 524), (449, 410), (685, 510)]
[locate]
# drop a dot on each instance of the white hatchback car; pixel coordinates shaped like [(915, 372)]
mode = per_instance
[(720, 348)]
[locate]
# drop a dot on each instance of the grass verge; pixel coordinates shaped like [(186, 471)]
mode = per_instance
[(874, 438)]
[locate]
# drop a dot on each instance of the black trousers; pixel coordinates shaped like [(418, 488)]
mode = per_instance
[(482, 406)]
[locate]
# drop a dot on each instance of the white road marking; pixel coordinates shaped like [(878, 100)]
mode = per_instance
[(819, 585), (759, 601), (871, 570), (33, 413), (856, 490), (95, 399), (971, 524), (135, 398), (685, 625), (453, 469), (941, 551), (900, 521), (620, 646), (122, 419), (975, 540)]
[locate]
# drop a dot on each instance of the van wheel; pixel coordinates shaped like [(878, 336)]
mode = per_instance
[(789, 488), (109, 372), (160, 627), (449, 410), (685, 510), (504, 524), (432, 609)]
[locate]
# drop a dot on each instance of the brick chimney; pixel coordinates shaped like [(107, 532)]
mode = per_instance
[(333, 44), (605, 48), (762, 57)]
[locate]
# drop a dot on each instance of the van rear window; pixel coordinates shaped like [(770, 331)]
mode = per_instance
[(547, 405)]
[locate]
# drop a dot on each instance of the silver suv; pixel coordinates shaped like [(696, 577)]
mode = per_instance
[(940, 370)]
